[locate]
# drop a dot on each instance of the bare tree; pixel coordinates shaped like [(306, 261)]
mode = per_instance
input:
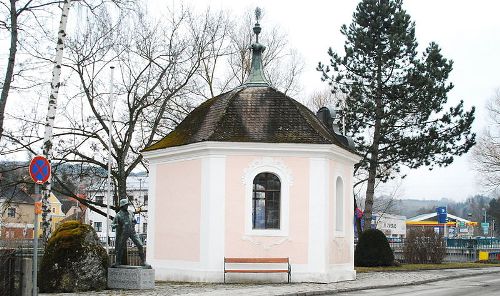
[(20, 20), (156, 62), (326, 98), (486, 153), (228, 63)]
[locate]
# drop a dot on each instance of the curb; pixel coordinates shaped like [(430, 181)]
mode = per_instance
[(343, 290)]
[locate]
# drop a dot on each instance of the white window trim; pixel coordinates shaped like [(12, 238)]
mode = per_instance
[(268, 165), (340, 233)]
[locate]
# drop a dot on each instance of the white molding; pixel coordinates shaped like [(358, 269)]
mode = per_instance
[(150, 243), (212, 227), (330, 151), (277, 167), (318, 214), (340, 233)]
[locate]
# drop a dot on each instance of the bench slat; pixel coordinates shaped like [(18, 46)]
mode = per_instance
[(256, 271), (256, 260)]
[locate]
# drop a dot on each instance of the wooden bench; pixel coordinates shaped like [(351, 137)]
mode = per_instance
[(258, 260)]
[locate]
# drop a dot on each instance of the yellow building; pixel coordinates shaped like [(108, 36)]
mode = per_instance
[(56, 214)]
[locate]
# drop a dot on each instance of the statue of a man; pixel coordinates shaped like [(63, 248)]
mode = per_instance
[(124, 223)]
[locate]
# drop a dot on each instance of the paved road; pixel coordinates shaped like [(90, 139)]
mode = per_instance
[(483, 285)]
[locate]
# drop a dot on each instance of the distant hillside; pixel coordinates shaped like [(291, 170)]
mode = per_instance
[(471, 209), (468, 209)]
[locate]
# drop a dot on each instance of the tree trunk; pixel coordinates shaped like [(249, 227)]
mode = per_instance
[(51, 114), (374, 157), (10, 63), (122, 186)]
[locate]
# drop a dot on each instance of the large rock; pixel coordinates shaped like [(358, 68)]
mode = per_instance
[(74, 260)]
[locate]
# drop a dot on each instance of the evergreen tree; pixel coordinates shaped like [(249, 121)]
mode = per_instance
[(395, 96)]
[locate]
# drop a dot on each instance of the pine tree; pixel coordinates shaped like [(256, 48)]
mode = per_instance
[(395, 97)]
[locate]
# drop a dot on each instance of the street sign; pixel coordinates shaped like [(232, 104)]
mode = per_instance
[(38, 207), (485, 227), (441, 214), (39, 169)]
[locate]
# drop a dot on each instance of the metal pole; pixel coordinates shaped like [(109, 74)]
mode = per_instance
[(110, 122), (35, 248)]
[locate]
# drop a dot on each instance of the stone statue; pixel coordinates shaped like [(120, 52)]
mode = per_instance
[(124, 223)]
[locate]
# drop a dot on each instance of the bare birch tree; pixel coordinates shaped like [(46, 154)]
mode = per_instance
[(486, 153), (19, 20)]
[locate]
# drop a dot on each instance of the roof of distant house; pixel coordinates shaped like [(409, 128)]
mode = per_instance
[(15, 194), (433, 216)]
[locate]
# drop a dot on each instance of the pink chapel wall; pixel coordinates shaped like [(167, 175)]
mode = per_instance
[(178, 206), (295, 245), (340, 248)]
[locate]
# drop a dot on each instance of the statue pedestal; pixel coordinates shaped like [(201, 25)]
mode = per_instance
[(128, 277)]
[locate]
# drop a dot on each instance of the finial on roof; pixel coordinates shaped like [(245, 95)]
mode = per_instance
[(256, 76)]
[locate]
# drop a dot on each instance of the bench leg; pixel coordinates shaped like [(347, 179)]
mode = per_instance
[(289, 273)]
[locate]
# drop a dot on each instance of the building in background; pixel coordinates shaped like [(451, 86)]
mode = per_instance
[(393, 226), (137, 193), (17, 214), (454, 227), (56, 214)]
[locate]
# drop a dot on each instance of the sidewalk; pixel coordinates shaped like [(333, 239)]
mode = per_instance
[(363, 281)]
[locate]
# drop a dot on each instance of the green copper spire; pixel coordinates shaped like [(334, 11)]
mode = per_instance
[(256, 76)]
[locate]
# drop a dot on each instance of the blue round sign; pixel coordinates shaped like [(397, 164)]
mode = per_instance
[(39, 169)]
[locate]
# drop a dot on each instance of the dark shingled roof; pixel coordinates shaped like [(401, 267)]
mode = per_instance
[(251, 114), (15, 194)]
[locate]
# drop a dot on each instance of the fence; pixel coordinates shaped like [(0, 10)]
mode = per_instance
[(457, 250)]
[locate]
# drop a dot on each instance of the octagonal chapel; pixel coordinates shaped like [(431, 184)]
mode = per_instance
[(252, 173)]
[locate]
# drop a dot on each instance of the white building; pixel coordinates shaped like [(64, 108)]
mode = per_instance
[(393, 226), (137, 192)]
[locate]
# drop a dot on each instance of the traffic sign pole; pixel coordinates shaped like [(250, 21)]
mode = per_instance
[(38, 210), (39, 170)]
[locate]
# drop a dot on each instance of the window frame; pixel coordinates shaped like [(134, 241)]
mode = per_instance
[(276, 167), (11, 212), (267, 192), (99, 199), (98, 226)]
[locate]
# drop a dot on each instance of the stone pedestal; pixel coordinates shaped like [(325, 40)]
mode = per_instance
[(131, 278)]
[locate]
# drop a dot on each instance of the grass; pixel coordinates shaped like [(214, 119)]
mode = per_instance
[(416, 267)]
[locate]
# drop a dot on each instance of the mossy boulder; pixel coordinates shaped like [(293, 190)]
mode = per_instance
[(74, 260), (373, 249)]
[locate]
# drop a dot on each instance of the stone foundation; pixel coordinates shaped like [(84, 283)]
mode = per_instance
[(131, 278)]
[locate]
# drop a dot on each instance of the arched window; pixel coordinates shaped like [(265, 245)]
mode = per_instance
[(266, 201), (339, 205)]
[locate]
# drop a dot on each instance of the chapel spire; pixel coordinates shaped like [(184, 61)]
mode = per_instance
[(256, 76)]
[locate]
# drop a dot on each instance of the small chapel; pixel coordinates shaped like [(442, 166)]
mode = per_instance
[(252, 173)]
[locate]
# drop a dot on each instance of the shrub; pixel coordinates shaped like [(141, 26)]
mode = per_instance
[(424, 246), (373, 249)]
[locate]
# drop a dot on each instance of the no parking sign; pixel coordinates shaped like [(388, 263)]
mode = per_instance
[(39, 169)]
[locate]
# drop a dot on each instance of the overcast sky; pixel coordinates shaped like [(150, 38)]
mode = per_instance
[(467, 31)]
